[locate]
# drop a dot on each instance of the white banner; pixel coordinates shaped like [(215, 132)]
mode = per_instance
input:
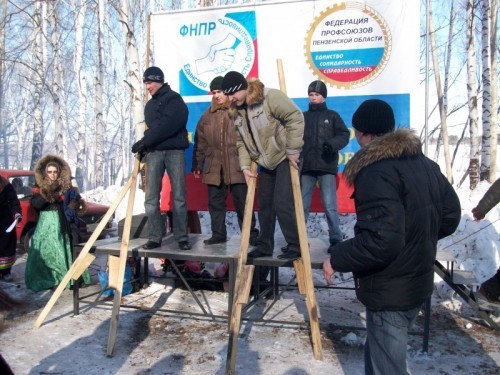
[(360, 50)]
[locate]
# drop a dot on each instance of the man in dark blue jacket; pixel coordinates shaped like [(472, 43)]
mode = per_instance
[(164, 142), (404, 205)]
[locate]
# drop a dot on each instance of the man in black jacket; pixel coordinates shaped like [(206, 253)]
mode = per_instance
[(324, 135), (404, 205), (164, 141)]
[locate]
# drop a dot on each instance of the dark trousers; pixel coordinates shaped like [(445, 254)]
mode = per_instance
[(217, 207), (275, 198)]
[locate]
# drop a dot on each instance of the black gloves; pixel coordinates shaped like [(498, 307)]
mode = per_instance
[(139, 146), (327, 148)]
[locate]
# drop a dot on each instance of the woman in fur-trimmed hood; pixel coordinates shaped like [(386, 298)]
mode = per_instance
[(51, 189), (50, 254)]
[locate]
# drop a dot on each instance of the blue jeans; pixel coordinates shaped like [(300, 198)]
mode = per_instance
[(174, 161), (328, 190), (386, 341)]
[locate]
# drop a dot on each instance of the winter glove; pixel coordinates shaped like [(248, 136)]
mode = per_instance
[(139, 146), (18, 217), (195, 170), (477, 214), (327, 148)]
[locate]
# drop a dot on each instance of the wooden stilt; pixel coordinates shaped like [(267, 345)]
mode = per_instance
[(117, 273), (304, 271), (244, 275), (302, 266)]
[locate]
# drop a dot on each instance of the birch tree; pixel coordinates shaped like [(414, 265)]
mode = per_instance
[(80, 10), (3, 13), (134, 76), (36, 151), (99, 84), (473, 169), (57, 92), (493, 90), (441, 103)]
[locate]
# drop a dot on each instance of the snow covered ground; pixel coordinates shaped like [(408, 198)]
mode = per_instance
[(153, 341)]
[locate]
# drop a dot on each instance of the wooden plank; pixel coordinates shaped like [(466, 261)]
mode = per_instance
[(298, 264), (118, 274), (465, 278), (81, 257), (312, 305), (113, 266), (81, 266), (244, 276), (242, 290)]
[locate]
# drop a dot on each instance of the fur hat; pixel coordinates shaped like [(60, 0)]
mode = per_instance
[(234, 82), (216, 83), (319, 87), (374, 116), (153, 74)]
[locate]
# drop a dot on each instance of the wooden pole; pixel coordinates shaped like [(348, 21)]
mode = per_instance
[(303, 269), (116, 274), (244, 275)]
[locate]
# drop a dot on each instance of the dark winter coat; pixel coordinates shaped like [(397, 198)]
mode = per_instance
[(322, 125), (9, 206), (490, 199), (270, 126), (215, 147), (403, 205), (166, 117)]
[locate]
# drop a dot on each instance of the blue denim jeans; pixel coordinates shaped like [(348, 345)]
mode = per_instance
[(174, 161), (328, 189), (386, 341)]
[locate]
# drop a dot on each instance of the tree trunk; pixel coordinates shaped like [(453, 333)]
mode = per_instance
[(441, 104), (134, 73), (82, 95), (494, 90), (3, 11), (99, 84), (57, 91), (36, 151), (486, 102), (472, 98)]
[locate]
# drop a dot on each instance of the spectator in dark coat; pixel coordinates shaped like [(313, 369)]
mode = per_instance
[(404, 205), (491, 287), (325, 134), (10, 210)]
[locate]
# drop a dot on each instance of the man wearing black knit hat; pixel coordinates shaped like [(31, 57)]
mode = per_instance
[(214, 155), (270, 131), (324, 135), (164, 141), (404, 205)]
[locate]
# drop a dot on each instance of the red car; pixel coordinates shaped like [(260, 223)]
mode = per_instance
[(23, 182)]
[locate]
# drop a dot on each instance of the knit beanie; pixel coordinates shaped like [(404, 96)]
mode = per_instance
[(153, 74), (319, 87), (374, 116), (233, 82), (216, 83)]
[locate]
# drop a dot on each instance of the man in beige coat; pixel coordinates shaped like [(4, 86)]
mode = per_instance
[(270, 132), (215, 155)]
